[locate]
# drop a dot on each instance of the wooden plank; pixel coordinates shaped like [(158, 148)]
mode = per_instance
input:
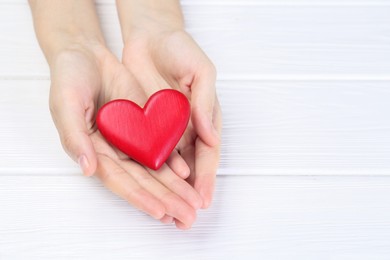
[(251, 218), (245, 41), (306, 127), (274, 127), (28, 136)]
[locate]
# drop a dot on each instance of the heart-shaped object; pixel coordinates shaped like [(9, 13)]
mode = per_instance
[(148, 135)]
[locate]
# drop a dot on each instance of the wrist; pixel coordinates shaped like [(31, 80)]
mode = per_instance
[(61, 45), (149, 16), (66, 25)]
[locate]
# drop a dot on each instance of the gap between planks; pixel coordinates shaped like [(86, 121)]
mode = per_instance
[(242, 77)]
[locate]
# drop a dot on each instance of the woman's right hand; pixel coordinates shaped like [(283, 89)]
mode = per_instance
[(83, 78)]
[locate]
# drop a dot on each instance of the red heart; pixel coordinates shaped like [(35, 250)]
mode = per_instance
[(146, 135)]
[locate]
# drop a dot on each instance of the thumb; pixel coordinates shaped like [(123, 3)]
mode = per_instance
[(70, 118), (202, 99)]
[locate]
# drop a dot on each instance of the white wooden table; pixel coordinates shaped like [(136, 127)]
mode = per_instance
[(305, 170)]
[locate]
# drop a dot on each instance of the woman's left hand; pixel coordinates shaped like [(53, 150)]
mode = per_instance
[(171, 59)]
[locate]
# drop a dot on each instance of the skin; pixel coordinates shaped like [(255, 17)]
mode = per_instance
[(157, 54)]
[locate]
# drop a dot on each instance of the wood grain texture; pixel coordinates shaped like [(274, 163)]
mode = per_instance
[(244, 41), (251, 218), (275, 127), (304, 87)]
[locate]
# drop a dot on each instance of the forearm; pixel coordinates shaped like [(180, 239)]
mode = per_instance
[(61, 25), (149, 15)]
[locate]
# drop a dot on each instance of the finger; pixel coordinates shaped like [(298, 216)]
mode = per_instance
[(152, 82), (202, 100), (121, 183), (178, 165), (70, 117), (206, 164), (180, 225), (188, 154), (174, 205), (167, 219), (125, 86), (178, 186)]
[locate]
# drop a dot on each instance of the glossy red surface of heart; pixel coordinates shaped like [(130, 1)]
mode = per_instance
[(148, 135)]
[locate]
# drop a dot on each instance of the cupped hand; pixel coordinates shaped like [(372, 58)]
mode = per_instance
[(164, 58), (82, 81)]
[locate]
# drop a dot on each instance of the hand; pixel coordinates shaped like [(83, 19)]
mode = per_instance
[(160, 54), (82, 82)]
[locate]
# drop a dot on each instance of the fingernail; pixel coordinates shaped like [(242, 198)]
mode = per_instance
[(198, 204), (186, 173), (206, 203), (215, 133), (84, 164), (206, 200), (167, 220)]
